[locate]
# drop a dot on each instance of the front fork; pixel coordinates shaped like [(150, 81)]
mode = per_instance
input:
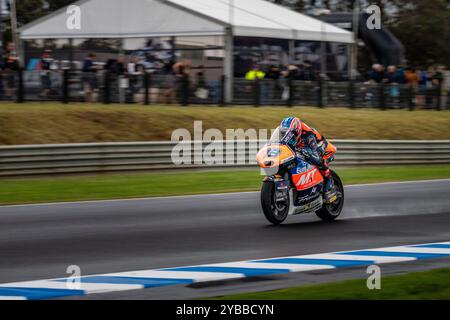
[(281, 187)]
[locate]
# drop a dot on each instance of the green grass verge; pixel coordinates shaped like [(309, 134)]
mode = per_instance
[(433, 284), (46, 123), (41, 190)]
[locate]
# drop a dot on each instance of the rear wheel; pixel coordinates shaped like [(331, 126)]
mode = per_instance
[(275, 209), (330, 212)]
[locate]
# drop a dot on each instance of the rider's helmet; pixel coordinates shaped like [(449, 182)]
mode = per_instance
[(291, 131)]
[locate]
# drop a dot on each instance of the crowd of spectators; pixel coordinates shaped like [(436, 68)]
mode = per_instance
[(426, 84), (280, 76), (127, 73), (179, 82), (433, 76), (304, 71), (175, 85), (126, 77)]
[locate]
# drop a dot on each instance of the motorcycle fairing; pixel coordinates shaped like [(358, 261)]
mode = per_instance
[(304, 197), (307, 196), (282, 184), (274, 155), (305, 176), (330, 151), (310, 207)]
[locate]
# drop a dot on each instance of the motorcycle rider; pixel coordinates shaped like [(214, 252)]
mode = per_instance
[(309, 143)]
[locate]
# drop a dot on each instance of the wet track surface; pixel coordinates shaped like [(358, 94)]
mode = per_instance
[(41, 241)]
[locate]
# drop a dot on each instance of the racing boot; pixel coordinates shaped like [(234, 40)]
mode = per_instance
[(329, 190)]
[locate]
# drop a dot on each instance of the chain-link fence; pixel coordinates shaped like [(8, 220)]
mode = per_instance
[(106, 87)]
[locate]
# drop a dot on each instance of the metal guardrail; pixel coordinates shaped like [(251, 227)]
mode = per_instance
[(113, 157)]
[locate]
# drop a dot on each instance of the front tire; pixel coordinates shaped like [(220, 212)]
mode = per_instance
[(331, 212), (275, 212)]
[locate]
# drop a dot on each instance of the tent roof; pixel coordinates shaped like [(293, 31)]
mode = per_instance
[(155, 18)]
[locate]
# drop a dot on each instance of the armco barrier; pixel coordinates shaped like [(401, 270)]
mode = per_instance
[(134, 156)]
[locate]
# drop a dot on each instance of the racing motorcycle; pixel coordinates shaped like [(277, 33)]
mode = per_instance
[(293, 186)]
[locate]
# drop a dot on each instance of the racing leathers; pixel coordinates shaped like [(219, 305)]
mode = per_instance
[(310, 144), (313, 151)]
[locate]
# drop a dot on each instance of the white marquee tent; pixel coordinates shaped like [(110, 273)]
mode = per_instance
[(156, 18)]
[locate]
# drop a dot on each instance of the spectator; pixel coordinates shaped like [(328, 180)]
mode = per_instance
[(393, 78), (255, 73), (110, 65), (46, 65), (411, 77), (309, 73), (120, 65), (11, 67), (394, 75), (89, 77), (376, 75), (182, 74), (134, 70), (423, 78), (437, 79), (429, 87), (201, 77), (274, 74), (438, 76), (422, 86), (290, 74), (412, 80), (134, 67), (116, 66), (181, 68), (299, 73), (400, 75), (169, 90), (202, 90)]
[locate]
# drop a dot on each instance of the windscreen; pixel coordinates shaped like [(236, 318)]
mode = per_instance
[(281, 136), (276, 136)]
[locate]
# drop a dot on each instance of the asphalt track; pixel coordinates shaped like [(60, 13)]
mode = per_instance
[(40, 241)]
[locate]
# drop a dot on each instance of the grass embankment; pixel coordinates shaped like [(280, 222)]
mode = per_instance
[(39, 190), (46, 123), (433, 285)]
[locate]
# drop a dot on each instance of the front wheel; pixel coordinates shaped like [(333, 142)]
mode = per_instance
[(330, 212), (275, 209)]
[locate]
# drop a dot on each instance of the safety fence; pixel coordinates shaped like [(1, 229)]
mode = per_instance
[(135, 156), (106, 87)]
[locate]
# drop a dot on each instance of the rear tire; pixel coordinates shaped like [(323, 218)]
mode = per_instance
[(273, 212), (331, 212)]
